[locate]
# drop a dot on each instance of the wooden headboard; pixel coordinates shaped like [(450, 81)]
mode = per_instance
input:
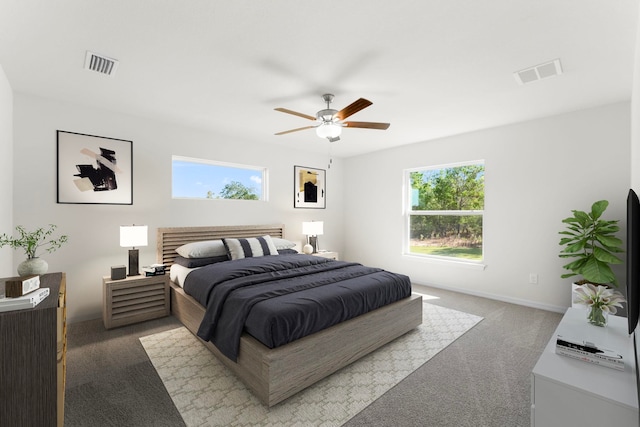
[(171, 238)]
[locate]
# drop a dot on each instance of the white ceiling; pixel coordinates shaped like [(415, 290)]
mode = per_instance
[(432, 68)]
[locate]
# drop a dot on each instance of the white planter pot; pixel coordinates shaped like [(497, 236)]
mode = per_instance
[(32, 266)]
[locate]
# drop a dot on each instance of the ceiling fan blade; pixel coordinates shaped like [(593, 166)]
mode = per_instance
[(295, 130), (353, 108), (295, 113), (368, 125)]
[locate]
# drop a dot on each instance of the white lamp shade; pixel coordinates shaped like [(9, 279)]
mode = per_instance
[(314, 228), (329, 130), (133, 235)]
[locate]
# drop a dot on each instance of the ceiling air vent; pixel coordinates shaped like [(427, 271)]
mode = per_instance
[(100, 64), (539, 72)]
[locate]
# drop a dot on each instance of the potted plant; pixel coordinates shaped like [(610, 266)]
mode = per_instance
[(30, 241), (590, 242)]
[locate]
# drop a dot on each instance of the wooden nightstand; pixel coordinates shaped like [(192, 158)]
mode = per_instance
[(134, 299), (327, 254)]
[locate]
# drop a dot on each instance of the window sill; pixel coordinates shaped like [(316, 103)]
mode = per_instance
[(447, 261)]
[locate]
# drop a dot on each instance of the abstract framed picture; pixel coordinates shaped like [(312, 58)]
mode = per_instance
[(309, 188), (94, 169)]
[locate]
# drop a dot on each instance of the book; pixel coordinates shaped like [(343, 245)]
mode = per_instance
[(36, 296), (18, 286), (589, 352), (151, 274), (154, 269), (26, 301)]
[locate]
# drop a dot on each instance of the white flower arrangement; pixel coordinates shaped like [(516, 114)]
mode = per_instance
[(599, 297)]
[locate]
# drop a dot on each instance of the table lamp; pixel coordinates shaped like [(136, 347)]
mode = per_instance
[(132, 236)]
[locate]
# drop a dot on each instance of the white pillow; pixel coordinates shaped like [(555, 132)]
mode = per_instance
[(282, 243), (250, 248), (204, 249)]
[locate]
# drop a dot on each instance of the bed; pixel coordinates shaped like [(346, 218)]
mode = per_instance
[(274, 374)]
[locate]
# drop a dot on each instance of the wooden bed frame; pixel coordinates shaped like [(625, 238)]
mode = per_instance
[(276, 374)]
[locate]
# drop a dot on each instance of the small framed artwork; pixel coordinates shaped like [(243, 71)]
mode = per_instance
[(94, 169), (309, 188)]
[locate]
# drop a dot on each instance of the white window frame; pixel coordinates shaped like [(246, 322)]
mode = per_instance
[(258, 169), (408, 212)]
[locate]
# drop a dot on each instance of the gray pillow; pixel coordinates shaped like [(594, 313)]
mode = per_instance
[(199, 262), (204, 249), (282, 243)]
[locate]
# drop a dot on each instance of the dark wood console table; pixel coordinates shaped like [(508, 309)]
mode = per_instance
[(33, 359)]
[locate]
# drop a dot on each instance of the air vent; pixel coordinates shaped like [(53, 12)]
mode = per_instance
[(539, 72), (100, 64)]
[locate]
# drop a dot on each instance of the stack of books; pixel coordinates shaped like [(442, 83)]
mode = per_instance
[(22, 292), (589, 352), (154, 270)]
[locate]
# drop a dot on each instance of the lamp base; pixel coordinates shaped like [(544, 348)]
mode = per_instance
[(313, 241), (133, 263)]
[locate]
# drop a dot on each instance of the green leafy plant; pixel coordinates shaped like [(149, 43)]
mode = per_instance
[(30, 241), (591, 241)]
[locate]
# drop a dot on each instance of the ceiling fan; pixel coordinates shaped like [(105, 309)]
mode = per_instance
[(329, 122)]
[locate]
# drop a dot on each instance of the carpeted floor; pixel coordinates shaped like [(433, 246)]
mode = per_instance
[(482, 379), (110, 380), (206, 393)]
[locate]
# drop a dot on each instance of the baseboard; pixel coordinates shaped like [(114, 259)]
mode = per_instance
[(518, 301)]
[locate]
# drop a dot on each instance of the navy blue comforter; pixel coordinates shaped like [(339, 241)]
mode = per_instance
[(278, 299)]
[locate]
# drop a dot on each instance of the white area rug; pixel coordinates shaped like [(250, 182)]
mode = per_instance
[(206, 393)]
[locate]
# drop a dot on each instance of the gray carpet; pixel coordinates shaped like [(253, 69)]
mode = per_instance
[(110, 380), (482, 379), (195, 378)]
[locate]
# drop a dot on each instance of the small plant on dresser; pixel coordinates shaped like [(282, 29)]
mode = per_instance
[(30, 241)]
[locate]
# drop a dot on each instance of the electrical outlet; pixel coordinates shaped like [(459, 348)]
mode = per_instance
[(533, 278)]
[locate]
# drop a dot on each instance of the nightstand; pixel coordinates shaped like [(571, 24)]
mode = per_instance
[(134, 299), (327, 254)]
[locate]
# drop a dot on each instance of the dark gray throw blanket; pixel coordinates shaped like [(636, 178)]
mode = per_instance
[(281, 298)]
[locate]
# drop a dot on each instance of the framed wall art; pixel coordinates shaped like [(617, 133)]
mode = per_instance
[(94, 169), (309, 188)]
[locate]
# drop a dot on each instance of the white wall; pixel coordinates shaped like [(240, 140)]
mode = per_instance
[(529, 189), (94, 229), (6, 171), (536, 172)]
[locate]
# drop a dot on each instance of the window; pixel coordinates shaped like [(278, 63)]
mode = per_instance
[(206, 179), (445, 207)]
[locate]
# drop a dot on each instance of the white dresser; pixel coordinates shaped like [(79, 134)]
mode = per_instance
[(567, 392)]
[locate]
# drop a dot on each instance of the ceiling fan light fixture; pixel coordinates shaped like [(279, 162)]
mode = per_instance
[(329, 130)]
